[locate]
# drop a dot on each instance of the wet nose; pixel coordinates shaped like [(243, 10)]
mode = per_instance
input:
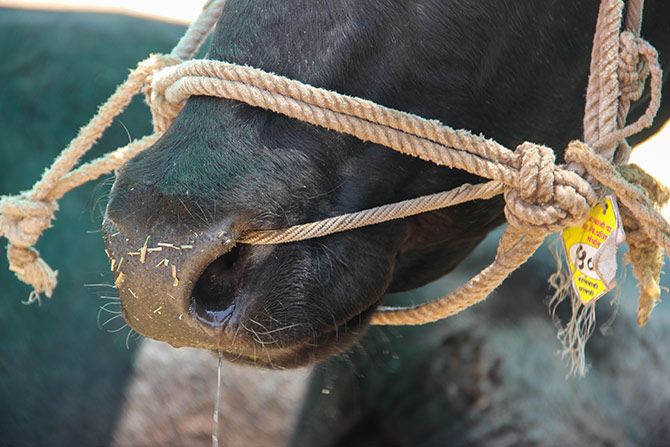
[(212, 300), (175, 282)]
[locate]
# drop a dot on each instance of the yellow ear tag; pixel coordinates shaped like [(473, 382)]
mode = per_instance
[(591, 251)]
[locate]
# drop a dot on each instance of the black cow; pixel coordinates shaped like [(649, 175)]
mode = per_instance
[(485, 377), (512, 71)]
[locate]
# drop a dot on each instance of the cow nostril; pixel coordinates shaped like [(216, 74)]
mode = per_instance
[(212, 300)]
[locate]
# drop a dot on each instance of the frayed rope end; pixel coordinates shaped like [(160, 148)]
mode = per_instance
[(37, 274), (576, 332)]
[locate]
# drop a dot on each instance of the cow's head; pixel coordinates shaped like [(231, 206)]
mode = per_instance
[(225, 168)]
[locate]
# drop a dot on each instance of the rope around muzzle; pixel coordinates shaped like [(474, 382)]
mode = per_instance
[(541, 197)]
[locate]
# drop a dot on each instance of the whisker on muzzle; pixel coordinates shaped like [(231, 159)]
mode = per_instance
[(132, 334), (101, 285), (113, 318), (106, 308)]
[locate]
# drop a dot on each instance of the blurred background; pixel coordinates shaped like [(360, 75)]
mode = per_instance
[(175, 12)]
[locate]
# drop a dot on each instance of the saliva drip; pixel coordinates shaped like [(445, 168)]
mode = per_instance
[(217, 406)]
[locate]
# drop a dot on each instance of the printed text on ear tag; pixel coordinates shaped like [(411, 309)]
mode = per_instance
[(591, 251)]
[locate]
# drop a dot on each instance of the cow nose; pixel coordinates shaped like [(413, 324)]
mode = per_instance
[(175, 282)]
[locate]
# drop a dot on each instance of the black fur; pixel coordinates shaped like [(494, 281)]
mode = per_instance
[(512, 71)]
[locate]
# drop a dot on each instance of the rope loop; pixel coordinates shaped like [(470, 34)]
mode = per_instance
[(637, 61), (632, 70)]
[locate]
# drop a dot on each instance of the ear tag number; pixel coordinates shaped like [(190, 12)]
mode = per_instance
[(591, 251)]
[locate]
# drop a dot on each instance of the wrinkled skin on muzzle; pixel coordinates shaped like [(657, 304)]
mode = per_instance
[(177, 211)]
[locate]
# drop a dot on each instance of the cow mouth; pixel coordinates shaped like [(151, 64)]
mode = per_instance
[(216, 305), (326, 344)]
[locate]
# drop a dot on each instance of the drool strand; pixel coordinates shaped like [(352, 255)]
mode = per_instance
[(217, 406)]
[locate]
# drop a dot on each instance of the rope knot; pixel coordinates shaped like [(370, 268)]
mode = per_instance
[(22, 221), (546, 198), (162, 110), (536, 173), (632, 69)]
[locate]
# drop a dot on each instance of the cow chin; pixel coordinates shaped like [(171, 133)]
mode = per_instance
[(317, 347), (278, 306)]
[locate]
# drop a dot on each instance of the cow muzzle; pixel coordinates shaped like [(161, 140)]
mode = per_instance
[(189, 275)]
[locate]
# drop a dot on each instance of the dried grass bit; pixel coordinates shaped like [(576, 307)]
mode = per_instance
[(119, 280), (143, 250), (174, 275), (165, 244)]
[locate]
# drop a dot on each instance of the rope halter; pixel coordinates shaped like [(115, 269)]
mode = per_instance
[(541, 197)]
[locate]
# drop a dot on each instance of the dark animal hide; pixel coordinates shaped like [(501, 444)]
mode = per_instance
[(512, 71)]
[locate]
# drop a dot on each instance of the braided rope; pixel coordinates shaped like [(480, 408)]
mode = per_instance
[(541, 198)]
